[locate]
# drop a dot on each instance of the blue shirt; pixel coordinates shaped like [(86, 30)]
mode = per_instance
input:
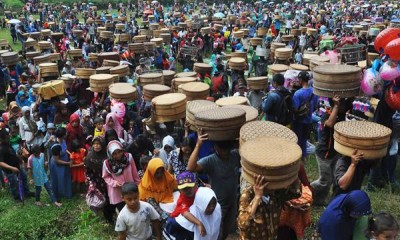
[(302, 96)]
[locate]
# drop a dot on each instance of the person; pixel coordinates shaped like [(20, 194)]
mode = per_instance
[(61, 117), (27, 127), (255, 97), (144, 161), (383, 226), (178, 164), (118, 169), (222, 168), (113, 123), (36, 168), (77, 156), (87, 123), (99, 127), (137, 218), (168, 151), (208, 211), (74, 131), (339, 218), (60, 171), (141, 146), (68, 69)]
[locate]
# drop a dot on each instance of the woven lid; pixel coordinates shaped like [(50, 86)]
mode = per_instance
[(336, 69), (251, 112), (9, 54), (234, 100), (119, 68), (195, 87), (258, 129), (320, 58), (169, 99), (220, 114), (278, 67), (261, 79), (186, 74), (45, 64), (362, 129), (101, 77), (276, 44), (185, 79), (202, 65), (270, 152), (151, 75), (196, 106), (299, 67), (284, 50), (237, 60), (107, 54), (106, 68), (156, 88), (122, 88), (168, 72)]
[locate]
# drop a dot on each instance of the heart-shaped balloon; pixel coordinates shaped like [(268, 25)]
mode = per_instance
[(389, 71), (371, 82)]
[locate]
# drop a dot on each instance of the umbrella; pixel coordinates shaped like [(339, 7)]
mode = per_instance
[(219, 15), (154, 2), (148, 12), (14, 21)]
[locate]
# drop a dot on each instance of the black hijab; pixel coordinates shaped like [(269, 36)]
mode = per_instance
[(94, 160)]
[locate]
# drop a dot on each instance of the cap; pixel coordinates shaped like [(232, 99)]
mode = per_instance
[(51, 126), (186, 179)]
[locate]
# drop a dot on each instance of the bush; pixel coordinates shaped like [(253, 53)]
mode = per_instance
[(15, 5)]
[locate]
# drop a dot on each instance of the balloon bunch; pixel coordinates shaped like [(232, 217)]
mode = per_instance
[(387, 70)]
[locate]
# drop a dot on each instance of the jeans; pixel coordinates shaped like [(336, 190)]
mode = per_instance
[(13, 180), (302, 131), (177, 231), (49, 189)]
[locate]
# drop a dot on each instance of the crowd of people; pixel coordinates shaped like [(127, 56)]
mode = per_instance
[(165, 180)]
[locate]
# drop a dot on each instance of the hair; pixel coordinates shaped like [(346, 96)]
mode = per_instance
[(144, 159), (75, 145), (278, 79), (110, 133), (128, 188), (140, 141), (224, 144), (186, 142), (56, 150), (98, 120), (36, 149), (304, 76), (381, 222), (60, 132)]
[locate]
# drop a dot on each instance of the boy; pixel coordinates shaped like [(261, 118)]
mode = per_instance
[(133, 221), (98, 130)]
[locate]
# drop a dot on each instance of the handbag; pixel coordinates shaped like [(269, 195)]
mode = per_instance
[(304, 108), (94, 198)]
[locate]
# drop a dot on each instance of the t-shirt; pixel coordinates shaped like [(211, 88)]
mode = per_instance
[(8, 156), (137, 224), (183, 204), (38, 171), (302, 96), (325, 148), (223, 175)]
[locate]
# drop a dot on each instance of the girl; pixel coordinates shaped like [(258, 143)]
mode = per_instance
[(383, 226), (168, 151), (37, 172), (77, 170), (74, 131), (208, 211), (61, 117), (113, 123), (177, 165)]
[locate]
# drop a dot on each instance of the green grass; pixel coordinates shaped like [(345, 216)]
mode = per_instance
[(5, 34)]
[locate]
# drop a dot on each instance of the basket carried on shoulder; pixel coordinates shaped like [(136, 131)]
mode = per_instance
[(352, 53)]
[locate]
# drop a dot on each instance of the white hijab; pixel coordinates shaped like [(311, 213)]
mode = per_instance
[(168, 140), (211, 222)]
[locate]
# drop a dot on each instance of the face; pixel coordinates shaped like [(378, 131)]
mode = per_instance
[(51, 131), (96, 146), (186, 150), (87, 118), (110, 123), (159, 173), (211, 206), (75, 123), (132, 201), (168, 148), (36, 117), (99, 126), (118, 154), (64, 111), (27, 113), (223, 153), (188, 191), (387, 235)]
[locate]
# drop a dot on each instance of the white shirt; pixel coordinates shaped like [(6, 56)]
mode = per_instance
[(137, 225), (302, 40)]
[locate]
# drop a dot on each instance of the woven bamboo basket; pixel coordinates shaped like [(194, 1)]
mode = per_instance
[(100, 29), (36, 35), (123, 92), (176, 82), (202, 68), (68, 79), (261, 32), (75, 53), (151, 17), (99, 22), (245, 31), (287, 38), (237, 63), (84, 73), (182, 25), (165, 30), (107, 56), (295, 32), (277, 68), (251, 112), (122, 38), (120, 26), (48, 70), (121, 71), (103, 70), (154, 26), (93, 57), (146, 32), (276, 45), (283, 53), (257, 83), (99, 82), (166, 37), (46, 33), (136, 48), (31, 55), (150, 78), (169, 107), (320, 59), (109, 25), (108, 17), (314, 63), (303, 29), (218, 27), (41, 59), (151, 91), (10, 58), (307, 56), (106, 35), (55, 57), (110, 63), (156, 33), (3, 43), (369, 138), (77, 33), (205, 30), (157, 41), (168, 75), (371, 57), (239, 55), (195, 106), (311, 31), (195, 90), (44, 45), (299, 67), (51, 89), (186, 74), (238, 34), (339, 79), (256, 41), (122, 18), (149, 46), (221, 123), (233, 100)]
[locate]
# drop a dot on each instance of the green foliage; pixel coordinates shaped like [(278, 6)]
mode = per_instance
[(13, 4)]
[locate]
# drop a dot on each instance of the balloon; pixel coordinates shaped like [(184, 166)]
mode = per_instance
[(390, 71), (119, 109), (392, 98), (371, 83), (385, 37), (332, 55), (393, 49)]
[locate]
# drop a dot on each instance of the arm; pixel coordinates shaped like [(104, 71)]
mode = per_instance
[(22, 130), (59, 161), (135, 174), (170, 169), (122, 235), (330, 122), (345, 180), (195, 221), (108, 178), (193, 166), (157, 228)]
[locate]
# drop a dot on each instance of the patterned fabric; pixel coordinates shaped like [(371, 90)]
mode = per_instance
[(177, 166)]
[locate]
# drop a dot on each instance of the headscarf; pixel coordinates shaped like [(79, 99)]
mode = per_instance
[(161, 190), (117, 126), (28, 120), (20, 103), (114, 166), (94, 160), (211, 222), (339, 218), (74, 132), (168, 140)]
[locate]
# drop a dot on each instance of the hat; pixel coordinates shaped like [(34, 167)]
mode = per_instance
[(186, 179), (68, 63), (51, 126)]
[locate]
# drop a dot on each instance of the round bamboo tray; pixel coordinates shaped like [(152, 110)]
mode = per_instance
[(146, 32), (277, 68), (195, 90), (299, 67), (103, 70), (3, 43), (314, 63), (156, 33), (30, 42), (154, 26), (106, 35), (237, 63), (77, 33), (48, 70), (238, 34), (121, 71), (68, 79), (234, 100), (107, 56), (46, 33), (283, 53), (136, 48), (307, 57), (166, 37), (55, 57), (165, 30), (75, 53), (295, 32), (176, 82), (337, 79), (157, 41), (151, 91), (239, 55), (31, 55), (100, 29), (41, 59), (320, 59), (186, 74), (202, 68), (182, 25), (10, 58), (205, 30), (277, 159), (120, 26), (123, 92), (149, 46), (256, 41), (261, 32), (311, 31), (303, 29), (122, 38), (221, 124), (93, 57), (195, 106), (369, 138), (287, 38), (276, 45), (150, 78), (98, 22), (100, 82), (51, 89), (44, 45), (169, 107), (257, 83), (168, 75), (251, 112), (84, 73), (218, 27)]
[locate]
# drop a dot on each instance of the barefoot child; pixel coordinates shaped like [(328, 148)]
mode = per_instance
[(77, 169), (37, 172)]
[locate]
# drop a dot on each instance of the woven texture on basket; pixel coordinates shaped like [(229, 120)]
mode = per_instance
[(340, 79), (166, 37), (168, 75), (107, 56), (157, 41), (84, 73), (256, 41), (123, 92), (299, 67), (237, 63), (51, 89), (150, 78), (122, 38), (149, 46), (10, 58), (238, 34), (186, 74), (93, 57), (277, 68), (106, 34), (195, 90), (307, 57), (276, 45), (202, 68), (30, 42), (67, 79), (181, 80), (122, 70), (234, 100), (257, 83), (110, 63), (221, 123), (251, 112), (295, 32), (205, 30), (99, 82), (54, 57), (151, 91), (104, 70), (140, 39), (48, 69), (283, 53), (41, 59), (169, 107), (32, 55), (136, 47), (195, 106), (314, 63), (256, 129), (320, 58), (45, 32), (370, 138)]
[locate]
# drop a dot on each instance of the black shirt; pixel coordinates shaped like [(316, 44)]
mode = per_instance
[(138, 151), (325, 148), (8, 156)]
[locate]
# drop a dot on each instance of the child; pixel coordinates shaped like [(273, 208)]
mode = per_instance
[(49, 139), (37, 172), (15, 138), (383, 226), (298, 57), (144, 161), (77, 170), (87, 123), (60, 171), (99, 130), (133, 221)]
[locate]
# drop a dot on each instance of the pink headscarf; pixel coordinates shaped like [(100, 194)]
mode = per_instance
[(117, 126)]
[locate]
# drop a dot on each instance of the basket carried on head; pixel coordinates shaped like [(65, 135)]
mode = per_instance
[(352, 53)]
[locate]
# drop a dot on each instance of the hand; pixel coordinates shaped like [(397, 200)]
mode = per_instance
[(31, 182), (187, 125), (259, 186), (336, 100), (156, 151), (15, 170), (356, 157), (119, 184), (201, 137), (202, 230)]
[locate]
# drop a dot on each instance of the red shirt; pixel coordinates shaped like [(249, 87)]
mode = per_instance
[(183, 204)]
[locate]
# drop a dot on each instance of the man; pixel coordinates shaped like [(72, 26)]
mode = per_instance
[(68, 69)]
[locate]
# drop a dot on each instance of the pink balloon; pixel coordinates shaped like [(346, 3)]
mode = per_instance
[(371, 82), (389, 71), (332, 55), (119, 109)]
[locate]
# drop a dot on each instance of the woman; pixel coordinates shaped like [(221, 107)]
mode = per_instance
[(27, 127), (113, 123), (74, 131), (339, 218), (61, 117), (177, 163), (207, 210), (14, 112), (22, 99), (118, 169), (168, 151), (94, 165)]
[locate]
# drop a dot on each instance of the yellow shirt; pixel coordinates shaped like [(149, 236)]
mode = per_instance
[(97, 132)]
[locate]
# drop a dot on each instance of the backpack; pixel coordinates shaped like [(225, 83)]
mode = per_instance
[(284, 114)]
